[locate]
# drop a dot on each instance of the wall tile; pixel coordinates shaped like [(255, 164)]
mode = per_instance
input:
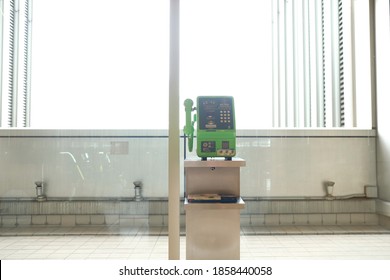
[(112, 219), (83, 219), (371, 219), (8, 221), (155, 207), (272, 219), (301, 219), (23, 220), (39, 220), (315, 219), (97, 220), (126, 220), (54, 219), (286, 219), (257, 219), (68, 220), (343, 219), (357, 218), (141, 221), (165, 220), (329, 219), (156, 220), (245, 220)]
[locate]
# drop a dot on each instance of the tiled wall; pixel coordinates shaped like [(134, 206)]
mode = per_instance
[(88, 176), (83, 164), (155, 213), (297, 165), (104, 164)]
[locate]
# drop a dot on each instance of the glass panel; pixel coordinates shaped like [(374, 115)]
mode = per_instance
[(226, 49), (83, 166), (99, 64), (100, 95)]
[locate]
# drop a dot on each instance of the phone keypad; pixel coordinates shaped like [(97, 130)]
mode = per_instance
[(224, 116)]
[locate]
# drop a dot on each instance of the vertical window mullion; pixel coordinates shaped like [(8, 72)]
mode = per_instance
[(318, 64), (301, 60), (341, 62), (348, 65), (296, 62), (275, 64), (13, 63), (282, 65), (27, 63), (314, 82), (279, 64), (335, 42), (328, 58), (307, 80), (321, 93), (290, 93)]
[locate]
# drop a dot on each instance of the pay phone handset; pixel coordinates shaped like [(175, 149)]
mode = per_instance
[(216, 131)]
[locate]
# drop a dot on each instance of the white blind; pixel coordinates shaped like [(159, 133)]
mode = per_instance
[(15, 76), (308, 63)]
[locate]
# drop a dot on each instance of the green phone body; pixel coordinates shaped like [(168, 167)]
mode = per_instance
[(216, 127)]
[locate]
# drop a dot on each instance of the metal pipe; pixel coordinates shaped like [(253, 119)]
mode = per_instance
[(302, 198)]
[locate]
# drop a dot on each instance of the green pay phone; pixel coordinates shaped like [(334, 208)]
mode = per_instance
[(216, 126)]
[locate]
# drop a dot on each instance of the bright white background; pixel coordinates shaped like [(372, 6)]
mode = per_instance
[(99, 64)]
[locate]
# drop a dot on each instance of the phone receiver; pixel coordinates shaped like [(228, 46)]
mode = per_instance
[(189, 127)]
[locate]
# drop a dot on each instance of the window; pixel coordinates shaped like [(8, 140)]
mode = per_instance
[(288, 63), (225, 49), (99, 64), (321, 64)]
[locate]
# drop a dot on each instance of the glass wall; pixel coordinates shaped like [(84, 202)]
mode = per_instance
[(225, 49), (94, 64), (99, 104)]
